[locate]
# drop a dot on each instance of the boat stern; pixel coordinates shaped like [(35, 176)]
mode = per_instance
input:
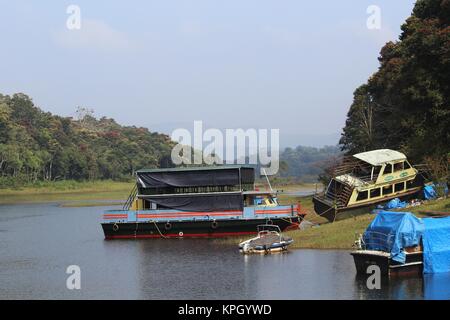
[(324, 208)]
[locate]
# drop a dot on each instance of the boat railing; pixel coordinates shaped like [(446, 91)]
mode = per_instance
[(378, 241), (130, 199)]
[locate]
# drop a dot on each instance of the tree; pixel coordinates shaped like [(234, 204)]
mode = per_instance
[(405, 104), (36, 145)]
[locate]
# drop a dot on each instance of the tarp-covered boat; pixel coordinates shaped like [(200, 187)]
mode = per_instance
[(400, 243)]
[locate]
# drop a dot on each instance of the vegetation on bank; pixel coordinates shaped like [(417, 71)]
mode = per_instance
[(38, 146), (304, 164)]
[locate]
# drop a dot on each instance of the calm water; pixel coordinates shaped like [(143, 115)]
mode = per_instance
[(39, 241)]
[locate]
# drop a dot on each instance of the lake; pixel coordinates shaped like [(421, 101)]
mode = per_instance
[(39, 241)]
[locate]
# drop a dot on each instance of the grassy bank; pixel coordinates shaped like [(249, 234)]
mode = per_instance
[(67, 191)]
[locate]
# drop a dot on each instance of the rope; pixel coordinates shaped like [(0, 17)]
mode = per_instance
[(321, 214), (157, 228)]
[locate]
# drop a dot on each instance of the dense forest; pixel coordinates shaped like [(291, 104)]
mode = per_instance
[(405, 104), (36, 145)]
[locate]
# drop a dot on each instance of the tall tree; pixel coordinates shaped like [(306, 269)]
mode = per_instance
[(407, 99)]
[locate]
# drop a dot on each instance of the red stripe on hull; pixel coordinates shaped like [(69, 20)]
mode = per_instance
[(183, 216), (176, 235)]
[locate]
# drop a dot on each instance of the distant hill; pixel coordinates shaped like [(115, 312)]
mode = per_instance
[(36, 145), (306, 163)]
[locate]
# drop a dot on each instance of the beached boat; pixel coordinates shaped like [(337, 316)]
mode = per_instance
[(401, 244), (268, 240), (366, 180), (216, 201)]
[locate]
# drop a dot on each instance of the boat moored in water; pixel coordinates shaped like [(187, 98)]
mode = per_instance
[(218, 201), (366, 180), (268, 240)]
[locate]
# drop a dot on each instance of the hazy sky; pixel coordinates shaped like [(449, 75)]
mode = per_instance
[(287, 64)]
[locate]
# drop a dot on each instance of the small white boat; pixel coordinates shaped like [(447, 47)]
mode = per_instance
[(269, 240)]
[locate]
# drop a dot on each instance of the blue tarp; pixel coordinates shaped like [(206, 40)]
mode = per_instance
[(429, 192), (395, 203), (436, 245), (392, 231), (436, 286)]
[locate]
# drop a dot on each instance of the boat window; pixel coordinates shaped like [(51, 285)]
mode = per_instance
[(388, 169), (362, 171), (399, 187), (398, 166), (387, 189), (375, 192), (362, 195), (411, 184), (258, 201), (376, 172), (407, 165)]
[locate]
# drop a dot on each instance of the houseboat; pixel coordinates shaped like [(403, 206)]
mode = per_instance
[(364, 181), (217, 201)]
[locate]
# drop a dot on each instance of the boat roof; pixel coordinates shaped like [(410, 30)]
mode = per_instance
[(203, 168), (380, 156), (206, 193)]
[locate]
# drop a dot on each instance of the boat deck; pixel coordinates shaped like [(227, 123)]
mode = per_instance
[(266, 240)]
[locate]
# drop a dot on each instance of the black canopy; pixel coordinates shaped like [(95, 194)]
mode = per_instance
[(201, 203), (196, 177)]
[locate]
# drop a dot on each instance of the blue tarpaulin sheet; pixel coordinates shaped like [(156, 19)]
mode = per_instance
[(392, 231), (395, 203), (429, 192), (436, 286), (436, 245)]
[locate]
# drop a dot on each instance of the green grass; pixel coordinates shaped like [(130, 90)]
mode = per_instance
[(67, 191), (81, 203)]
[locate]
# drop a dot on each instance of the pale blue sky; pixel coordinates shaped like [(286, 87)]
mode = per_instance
[(287, 64)]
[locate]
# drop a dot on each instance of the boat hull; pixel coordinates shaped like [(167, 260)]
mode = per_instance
[(413, 265), (192, 229), (331, 213)]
